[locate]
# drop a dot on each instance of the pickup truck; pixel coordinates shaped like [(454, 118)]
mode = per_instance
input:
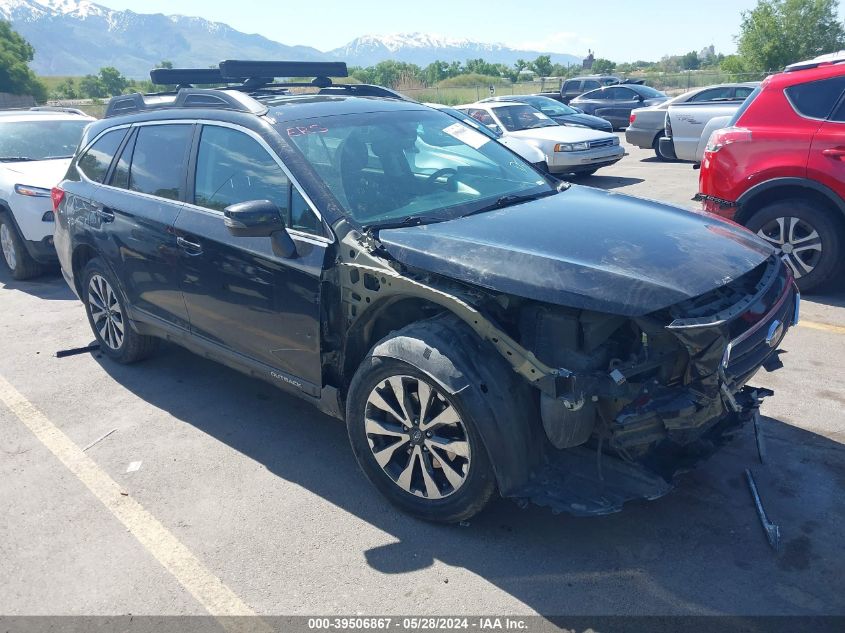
[(685, 124)]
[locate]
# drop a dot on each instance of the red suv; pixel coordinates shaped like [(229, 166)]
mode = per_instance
[(779, 167)]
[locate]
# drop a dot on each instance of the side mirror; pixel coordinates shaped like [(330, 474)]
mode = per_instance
[(495, 129), (260, 218), (640, 98)]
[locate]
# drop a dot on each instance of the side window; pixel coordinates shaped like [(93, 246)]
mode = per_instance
[(120, 175), (713, 94), (571, 86), (599, 95), (742, 93), (96, 161), (619, 94), (233, 167), (815, 99), (158, 160), (839, 115), (590, 84)]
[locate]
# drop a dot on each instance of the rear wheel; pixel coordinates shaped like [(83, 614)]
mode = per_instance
[(807, 237), (106, 310), (15, 256), (417, 443), (656, 147)]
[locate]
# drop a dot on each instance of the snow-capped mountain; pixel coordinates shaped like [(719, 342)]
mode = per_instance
[(77, 37), (424, 48)]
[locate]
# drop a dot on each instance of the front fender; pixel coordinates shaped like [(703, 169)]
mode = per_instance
[(502, 405)]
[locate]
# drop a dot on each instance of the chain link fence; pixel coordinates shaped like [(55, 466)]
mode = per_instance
[(670, 83)]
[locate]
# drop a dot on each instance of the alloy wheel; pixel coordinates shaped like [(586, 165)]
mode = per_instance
[(798, 242), (7, 244), (106, 312), (417, 437)]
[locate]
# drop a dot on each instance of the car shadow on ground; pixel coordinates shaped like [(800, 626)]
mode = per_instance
[(698, 550), (50, 286), (606, 182)]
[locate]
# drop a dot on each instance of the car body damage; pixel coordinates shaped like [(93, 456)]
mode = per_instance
[(634, 364)]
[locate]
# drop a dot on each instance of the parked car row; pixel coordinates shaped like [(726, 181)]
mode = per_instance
[(647, 126), (404, 269)]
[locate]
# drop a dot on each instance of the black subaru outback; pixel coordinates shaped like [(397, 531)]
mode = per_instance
[(480, 327)]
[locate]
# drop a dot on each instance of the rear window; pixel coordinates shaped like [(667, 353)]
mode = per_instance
[(815, 99), (96, 161)]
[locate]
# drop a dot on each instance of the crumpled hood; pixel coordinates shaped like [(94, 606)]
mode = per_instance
[(38, 173), (585, 248)]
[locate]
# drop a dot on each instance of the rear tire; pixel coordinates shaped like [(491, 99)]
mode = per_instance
[(14, 254), (807, 236), (107, 316), (429, 482), (656, 147)]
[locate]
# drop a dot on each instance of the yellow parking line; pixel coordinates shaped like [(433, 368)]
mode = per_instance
[(208, 589), (825, 327)]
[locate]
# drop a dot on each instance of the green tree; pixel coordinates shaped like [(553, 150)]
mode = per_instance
[(603, 66), (16, 76), (66, 90), (434, 72), (91, 86), (542, 66), (690, 61), (113, 82), (780, 32)]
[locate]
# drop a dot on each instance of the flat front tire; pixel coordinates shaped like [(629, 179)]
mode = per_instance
[(107, 316), (417, 443)]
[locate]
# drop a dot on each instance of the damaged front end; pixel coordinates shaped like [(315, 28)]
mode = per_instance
[(647, 397)]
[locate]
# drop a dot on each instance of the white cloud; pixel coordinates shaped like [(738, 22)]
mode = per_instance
[(561, 42)]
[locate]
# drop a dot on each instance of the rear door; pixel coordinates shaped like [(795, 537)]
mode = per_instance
[(139, 204), (240, 295), (620, 103), (826, 161)]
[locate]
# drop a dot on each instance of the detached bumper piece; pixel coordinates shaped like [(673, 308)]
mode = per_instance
[(583, 481)]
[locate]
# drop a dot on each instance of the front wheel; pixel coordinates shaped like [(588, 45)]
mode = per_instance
[(106, 310), (807, 237), (416, 443), (15, 255)]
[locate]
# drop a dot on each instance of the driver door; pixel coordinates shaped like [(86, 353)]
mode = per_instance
[(242, 297)]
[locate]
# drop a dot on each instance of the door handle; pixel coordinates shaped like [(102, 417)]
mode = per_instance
[(191, 248), (106, 215), (836, 153)]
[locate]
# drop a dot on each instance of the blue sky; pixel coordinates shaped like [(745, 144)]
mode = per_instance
[(621, 30)]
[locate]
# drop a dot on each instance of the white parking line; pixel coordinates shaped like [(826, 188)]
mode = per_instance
[(208, 589)]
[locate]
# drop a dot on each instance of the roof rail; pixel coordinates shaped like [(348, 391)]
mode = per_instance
[(62, 109), (185, 98), (830, 58)]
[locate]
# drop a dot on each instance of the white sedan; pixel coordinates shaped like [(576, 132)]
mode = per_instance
[(565, 150)]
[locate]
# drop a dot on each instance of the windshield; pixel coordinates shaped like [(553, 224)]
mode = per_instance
[(40, 140), (413, 165), (548, 106), (520, 117), (648, 92)]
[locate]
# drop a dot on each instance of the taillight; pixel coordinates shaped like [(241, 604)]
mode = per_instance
[(57, 195), (726, 136), (632, 118)]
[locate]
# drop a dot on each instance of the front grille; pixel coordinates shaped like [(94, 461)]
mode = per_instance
[(605, 142), (753, 312)]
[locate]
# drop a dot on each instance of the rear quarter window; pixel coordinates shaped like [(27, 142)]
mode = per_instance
[(815, 99), (95, 162)]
